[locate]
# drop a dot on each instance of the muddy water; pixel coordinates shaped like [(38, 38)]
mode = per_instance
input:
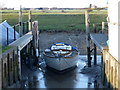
[(41, 77)]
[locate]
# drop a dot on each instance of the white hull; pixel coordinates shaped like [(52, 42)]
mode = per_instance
[(61, 63)]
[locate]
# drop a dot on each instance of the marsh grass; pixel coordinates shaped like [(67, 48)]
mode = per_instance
[(4, 48), (56, 20)]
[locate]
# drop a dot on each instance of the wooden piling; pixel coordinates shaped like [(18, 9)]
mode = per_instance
[(20, 22), (95, 48), (35, 33), (88, 37), (94, 28), (95, 55), (103, 27), (30, 20), (19, 63), (23, 28)]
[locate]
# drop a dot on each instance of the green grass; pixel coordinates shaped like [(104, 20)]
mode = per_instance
[(56, 20), (4, 48)]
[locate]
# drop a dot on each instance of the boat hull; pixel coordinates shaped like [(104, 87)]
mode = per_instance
[(61, 63)]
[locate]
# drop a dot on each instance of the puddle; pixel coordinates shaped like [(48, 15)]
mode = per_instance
[(44, 78)]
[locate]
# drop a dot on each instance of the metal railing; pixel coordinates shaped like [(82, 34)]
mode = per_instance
[(25, 28)]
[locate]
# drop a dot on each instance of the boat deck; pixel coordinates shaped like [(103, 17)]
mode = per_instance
[(51, 54)]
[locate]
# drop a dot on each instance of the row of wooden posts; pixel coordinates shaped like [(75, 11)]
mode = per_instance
[(21, 24), (10, 73), (87, 23), (9, 68), (24, 27), (110, 68)]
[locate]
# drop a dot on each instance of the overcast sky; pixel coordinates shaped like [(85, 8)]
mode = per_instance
[(52, 3)]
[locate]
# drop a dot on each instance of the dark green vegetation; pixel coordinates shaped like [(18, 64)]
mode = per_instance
[(4, 48), (57, 20)]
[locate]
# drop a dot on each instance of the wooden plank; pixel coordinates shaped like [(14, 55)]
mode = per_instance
[(23, 41), (100, 40)]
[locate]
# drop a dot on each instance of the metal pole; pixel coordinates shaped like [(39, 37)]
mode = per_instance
[(14, 34), (7, 36), (20, 22), (88, 37)]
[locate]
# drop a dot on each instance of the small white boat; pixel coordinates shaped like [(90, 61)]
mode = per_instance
[(61, 56)]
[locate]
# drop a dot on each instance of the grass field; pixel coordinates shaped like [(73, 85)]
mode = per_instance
[(57, 20), (4, 48)]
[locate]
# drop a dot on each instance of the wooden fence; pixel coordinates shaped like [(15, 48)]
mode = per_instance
[(10, 60), (9, 68), (110, 71)]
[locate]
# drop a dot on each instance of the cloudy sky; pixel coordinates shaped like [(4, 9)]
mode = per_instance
[(52, 3)]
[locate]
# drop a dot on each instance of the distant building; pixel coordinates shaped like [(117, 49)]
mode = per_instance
[(26, 8), (7, 8)]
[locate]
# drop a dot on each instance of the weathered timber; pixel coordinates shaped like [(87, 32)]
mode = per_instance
[(35, 33), (9, 71), (103, 26), (20, 22), (111, 69), (95, 48), (100, 40), (88, 37), (30, 20), (23, 41)]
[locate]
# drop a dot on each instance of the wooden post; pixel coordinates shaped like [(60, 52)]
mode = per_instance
[(95, 55), (35, 33), (88, 38), (94, 28), (30, 21), (27, 27), (19, 63), (20, 22), (103, 26), (95, 49), (23, 28)]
